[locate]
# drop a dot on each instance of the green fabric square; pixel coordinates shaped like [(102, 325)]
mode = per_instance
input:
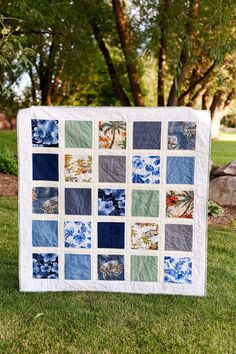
[(145, 203), (78, 134), (144, 268)]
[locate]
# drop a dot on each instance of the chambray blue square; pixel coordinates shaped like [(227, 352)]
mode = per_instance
[(180, 170), (77, 267), (44, 233), (45, 167), (78, 201), (111, 235), (147, 135)]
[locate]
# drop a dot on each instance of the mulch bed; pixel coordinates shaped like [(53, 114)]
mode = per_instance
[(9, 187)]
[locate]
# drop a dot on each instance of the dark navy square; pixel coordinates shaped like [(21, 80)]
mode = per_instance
[(45, 167), (78, 201), (180, 170), (111, 234), (147, 135)]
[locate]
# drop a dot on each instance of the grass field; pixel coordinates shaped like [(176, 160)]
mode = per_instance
[(222, 151), (116, 323)]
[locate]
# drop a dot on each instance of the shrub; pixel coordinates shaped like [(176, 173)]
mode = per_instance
[(8, 162), (214, 209)]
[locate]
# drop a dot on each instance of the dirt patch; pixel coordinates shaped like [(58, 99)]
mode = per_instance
[(224, 220), (8, 185)]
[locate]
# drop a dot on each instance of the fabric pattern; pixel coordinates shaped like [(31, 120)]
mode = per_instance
[(113, 199)]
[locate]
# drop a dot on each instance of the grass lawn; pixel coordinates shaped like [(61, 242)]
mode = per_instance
[(8, 139), (116, 323)]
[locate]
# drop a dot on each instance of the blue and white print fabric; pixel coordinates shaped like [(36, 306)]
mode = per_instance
[(146, 169)]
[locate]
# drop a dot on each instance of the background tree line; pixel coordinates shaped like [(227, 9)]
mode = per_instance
[(114, 52)]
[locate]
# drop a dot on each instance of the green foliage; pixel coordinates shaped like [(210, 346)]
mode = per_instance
[(214, 209), (8, 162)]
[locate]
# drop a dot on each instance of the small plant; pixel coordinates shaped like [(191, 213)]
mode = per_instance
[(8, 162), (214, 209)]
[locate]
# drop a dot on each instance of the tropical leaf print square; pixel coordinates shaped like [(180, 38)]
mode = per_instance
[(78, 168), (44, 133), (45, 200), (144, 236), (77, 234), (178, 270), (111, 202), (110, 267), (146, 169), (179, 204), (112, 135), (45, 265), (182, 135)]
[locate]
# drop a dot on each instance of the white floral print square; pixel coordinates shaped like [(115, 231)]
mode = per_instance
[(144, 236), (78, 168)]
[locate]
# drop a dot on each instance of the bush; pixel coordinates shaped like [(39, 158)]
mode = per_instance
[(8, 162), (214, 209)]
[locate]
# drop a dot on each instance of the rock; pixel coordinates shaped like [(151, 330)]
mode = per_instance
[(4, 124), (223, 190), (229, 169)]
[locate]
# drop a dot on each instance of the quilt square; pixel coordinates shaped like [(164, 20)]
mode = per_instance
[(112, 135), (147, 135), (145, 203), (77, 234), (44, 133), (112, 169), (111, 235), (111, 202), (181, 135), (78, 201), (146, 169), (144, 236), (180, 170), (45, 167), (45, 265), (144, 268), (178, 237), (178, 270), (179, 204), (44, 233), (78, 168), (111, 267), (78, 134), (45, 200), (77, 267)]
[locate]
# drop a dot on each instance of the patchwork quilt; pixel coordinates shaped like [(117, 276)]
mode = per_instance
[(113, 199)]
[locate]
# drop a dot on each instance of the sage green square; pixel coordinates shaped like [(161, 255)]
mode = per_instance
[(78, 134), (144, 268), (145, 203)]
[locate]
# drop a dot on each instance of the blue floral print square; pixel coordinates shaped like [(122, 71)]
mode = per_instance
[(77, 266), (45, 265), (44, 133), (77, 234), (110, 267), (146, 169), (182, 135), (178, 270), (111, 202), (45, 200)]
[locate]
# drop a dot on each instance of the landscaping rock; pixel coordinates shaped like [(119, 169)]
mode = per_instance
[(229, 169), (223, 190)]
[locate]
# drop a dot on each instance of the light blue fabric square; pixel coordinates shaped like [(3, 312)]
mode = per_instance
[(77, 267), (44, 233), (180, 170)]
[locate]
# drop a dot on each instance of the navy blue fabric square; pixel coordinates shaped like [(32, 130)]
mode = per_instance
[(45, 167), (147, 135), (44, 233), (77, 267), (111, 234), (78, 201), (180, 170)]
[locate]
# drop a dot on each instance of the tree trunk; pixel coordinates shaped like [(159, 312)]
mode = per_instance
[(217, 112), (125, 40), (120, 93)]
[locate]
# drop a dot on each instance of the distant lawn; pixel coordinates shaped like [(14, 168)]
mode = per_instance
[(222, 152), (84, 322)]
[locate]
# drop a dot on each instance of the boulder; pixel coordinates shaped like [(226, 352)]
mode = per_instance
[(223, 190), (229, 169)]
